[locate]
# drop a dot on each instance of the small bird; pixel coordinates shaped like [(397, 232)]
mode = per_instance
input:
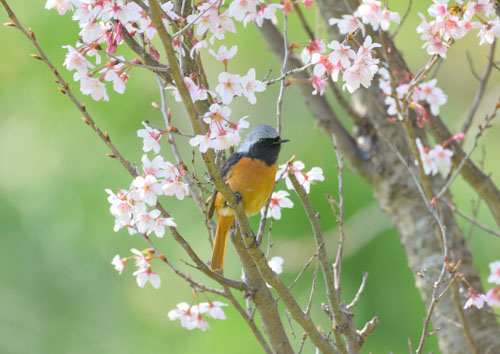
[(250, 172)]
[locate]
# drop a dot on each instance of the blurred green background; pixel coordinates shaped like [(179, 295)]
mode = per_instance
[(58, 291)]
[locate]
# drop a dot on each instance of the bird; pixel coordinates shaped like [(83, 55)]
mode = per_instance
[(250, 172)]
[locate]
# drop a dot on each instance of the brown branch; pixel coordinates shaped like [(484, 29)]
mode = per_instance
[(471, 220), (249, 320), (343, 321)]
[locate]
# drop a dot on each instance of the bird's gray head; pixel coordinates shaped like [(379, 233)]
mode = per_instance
[(262, 142)]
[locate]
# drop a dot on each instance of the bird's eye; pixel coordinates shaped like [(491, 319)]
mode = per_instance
[(262, 141)]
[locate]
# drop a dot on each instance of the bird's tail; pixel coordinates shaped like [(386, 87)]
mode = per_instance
[(219, 251)]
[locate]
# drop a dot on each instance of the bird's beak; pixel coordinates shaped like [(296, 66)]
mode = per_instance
[(281, 141)]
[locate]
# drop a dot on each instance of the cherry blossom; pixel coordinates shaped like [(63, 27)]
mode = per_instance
[(250, 85), (495, 272), (158, 168), (119, 263), (92, 32), (91, 86), (175, 187), (146, 222), (342, 53), (150, 138), (493, 296), (433, 95), (202, 141), (475, 299), (489, 31), (428, 161), (278, 200), (213, 309), (229, 86), (185, 314), (319, 84), (315, 174), (314, 46), (223, 54), (348, 24), (276, 264), (143, 275), (60, 5), (161, 223), (146, 189), (76, 60)]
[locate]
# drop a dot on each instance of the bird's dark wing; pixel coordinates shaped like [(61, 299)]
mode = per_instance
[(226, 169)]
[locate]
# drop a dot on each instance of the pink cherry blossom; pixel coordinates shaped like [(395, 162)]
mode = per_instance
[(60, 5), (369, 12), (439, 9), (493, 296), (278, 200), (433, 95), (342, 53), (428, 161), (92, 32), (229, 86), (161, 223), (146, 189), (495, 272), (203, 141), (213, 309), (91, 86), (315, 174), (223, 54), (151, 138), (158, 168), (119, 263), (184, 314), (143, 275), (250, 85), (475, 7), (76, 60), (146, 222), (314, 46), (488, 32), (475, 299), (175, 187), (319, 85), (348, 24)]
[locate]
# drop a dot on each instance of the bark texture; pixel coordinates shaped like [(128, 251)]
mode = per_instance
[(397, 194)]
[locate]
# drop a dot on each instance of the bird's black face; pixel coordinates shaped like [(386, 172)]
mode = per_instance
[(266, 149)]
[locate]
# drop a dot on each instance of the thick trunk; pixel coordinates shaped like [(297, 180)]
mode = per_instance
[(398, 196)]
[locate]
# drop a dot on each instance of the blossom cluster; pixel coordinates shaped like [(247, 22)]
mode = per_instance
[(304, 178), (142, 261), (222, 133), (452, 21), (191, 315), (423, 93), (104, 22), (357, 65), (492, 297), (134, 208)]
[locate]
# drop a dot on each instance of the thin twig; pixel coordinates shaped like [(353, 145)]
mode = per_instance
[(405, 16), (302, 271), (359, 293), (471, 220), (480, 91), (482, 128), (279, 103), (249, 320)]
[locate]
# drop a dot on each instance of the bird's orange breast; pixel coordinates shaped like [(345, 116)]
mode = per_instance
[(253, 179)]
